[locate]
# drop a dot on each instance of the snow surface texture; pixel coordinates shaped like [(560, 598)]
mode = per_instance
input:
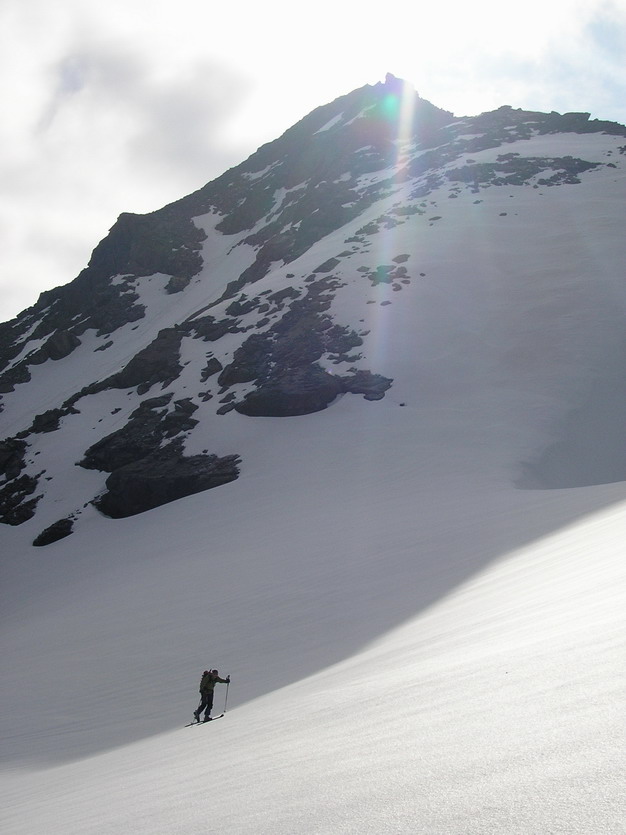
[(418, 643)]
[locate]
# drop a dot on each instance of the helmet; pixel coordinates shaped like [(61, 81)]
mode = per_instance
[(205, 673), (215, 673)]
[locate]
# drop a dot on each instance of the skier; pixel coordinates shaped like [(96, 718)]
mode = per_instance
[(207, 685)]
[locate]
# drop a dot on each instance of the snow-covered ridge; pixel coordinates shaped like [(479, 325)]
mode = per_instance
[(293, 274)]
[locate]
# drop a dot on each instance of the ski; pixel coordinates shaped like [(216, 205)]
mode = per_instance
[(205, 722)]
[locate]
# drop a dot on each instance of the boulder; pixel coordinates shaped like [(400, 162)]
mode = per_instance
[(299, 391), (162, 477), (53, 533)]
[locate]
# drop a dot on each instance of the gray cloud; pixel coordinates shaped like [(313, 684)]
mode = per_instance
[(112, 129), (182, 119), (172, 121)]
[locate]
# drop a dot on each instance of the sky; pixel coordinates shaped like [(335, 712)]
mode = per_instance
[(126, 105)]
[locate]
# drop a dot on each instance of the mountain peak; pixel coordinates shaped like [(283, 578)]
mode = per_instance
[(395, 84), (257, 265)]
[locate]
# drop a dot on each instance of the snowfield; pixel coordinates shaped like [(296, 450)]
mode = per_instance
[(497, 709), (418, 642)]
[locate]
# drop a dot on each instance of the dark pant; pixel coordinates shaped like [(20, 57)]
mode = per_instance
[(206, 704)]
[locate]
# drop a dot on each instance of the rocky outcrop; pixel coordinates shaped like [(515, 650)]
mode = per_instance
[(166, 241), (148, 427), (161, 477), (284, 361), (58, 346), (55, 532), (301, 391), (12, 457), (514, 170), (142, 434), (19, 373), (158, 362), (371, 386), (297, 391), (49, 421), (146, 460), (15, 505), (277, 352)]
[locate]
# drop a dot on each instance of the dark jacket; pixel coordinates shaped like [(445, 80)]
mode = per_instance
[(209, 681)]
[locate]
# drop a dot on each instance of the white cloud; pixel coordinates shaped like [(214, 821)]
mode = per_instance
[(97, 125)]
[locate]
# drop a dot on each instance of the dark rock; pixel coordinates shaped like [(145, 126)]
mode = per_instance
[(15, 507), (137, 245), (283, 361), (298, 391), (143, 473), (160, 242), (61, 344), (180, 419), (242, 305), (371, 386), (210, 329), (327, 266), (141, 436), (250, 361), (14, 376), (163, 476), (286, 293), (384, 273), (91, 298), (177, 284), (55, 532), (317, 162), (213, 366), (12, 457), (48, 421), (510, 169), (156, 363)]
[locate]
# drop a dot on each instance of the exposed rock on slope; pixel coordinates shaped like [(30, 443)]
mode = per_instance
[(161, 477), (248, 297)]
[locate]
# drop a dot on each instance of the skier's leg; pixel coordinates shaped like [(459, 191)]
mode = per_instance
[(201, 706), (209, 704)]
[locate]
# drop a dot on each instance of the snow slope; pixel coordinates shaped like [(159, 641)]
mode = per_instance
[(417, 643), (497, 709)]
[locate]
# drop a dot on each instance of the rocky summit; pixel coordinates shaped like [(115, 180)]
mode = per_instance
[(258, 297)]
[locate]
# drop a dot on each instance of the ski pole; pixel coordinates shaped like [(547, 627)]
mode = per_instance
[(226, 697)]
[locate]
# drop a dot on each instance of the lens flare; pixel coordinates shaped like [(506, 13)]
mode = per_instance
[(397, 110)]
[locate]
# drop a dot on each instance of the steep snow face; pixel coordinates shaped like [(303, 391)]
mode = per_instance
[(379, 347)]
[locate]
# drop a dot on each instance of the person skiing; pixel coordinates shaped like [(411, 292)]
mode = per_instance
[(207, 685)]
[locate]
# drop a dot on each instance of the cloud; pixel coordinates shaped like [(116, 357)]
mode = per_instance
[(97, 124), (183, 116), (163, 125)]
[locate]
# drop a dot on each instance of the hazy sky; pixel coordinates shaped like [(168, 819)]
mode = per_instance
[(125, 105)]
